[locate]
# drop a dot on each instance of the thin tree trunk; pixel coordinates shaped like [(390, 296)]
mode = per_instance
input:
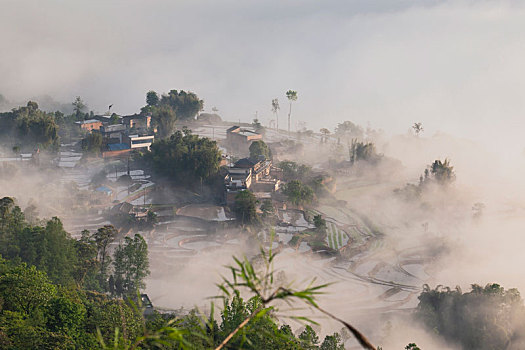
[(289, 116)]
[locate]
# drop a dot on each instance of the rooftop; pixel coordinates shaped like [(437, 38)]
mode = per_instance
[(247, 132), (233, 128), (117, 146), (104, 189), (88, 121)]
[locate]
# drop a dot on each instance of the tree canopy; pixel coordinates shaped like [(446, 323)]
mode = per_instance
[(176, 105), (245, 207), (184, 157), (349, 130), (30, 125), (259, 148), (131, 264), (298, 193), (485, 318)]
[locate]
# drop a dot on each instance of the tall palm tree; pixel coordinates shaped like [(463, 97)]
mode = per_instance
[(418, 128), (292, 96), (275, 110)]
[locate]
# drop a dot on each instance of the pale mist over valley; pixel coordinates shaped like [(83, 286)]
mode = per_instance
[(262, 175)]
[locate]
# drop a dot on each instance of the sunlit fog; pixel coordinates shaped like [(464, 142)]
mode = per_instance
[(262, 175)]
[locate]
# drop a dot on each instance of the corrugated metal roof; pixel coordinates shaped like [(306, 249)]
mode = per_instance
[(117, 147)]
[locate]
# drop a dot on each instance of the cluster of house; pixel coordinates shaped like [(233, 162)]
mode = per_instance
[(239, 139), (255, 174), (129, 133)]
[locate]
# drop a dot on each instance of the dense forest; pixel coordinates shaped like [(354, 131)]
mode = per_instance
[(60, 293)]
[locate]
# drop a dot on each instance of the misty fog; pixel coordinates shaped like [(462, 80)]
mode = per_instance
[(454, 66)]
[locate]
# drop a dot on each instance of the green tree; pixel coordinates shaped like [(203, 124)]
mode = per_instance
[(319, 222), (275, 110), (114, 119), (298, 193), (485, 318), (87, 266), (78, 107), (185, 158), (293, 171), (309, 340), (164, 117), (30, 125), (363, 151), (186, 105), (64, 315), (442, 172), (131, 263), (92, 143), (291, 95), (259, 148), (103, 237), (332, 342), (152, 98), (50, 249), (25, 289), (245, 207)]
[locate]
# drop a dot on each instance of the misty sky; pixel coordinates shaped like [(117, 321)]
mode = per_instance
[(455, 66)]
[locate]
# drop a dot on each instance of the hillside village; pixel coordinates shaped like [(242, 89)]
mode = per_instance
[(183, 189)]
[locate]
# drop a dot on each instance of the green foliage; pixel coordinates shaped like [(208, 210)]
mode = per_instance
[(267, 208), (487, 317), (152, 98), (186, 105), (319, 222), (114, 119), (332, 342), (25, 289), (176, 105), (442, 172), (131, 264), (30, 126), (43, 306), (365, 151), (308, 339), (78, 107), (65, 315), (92, 143), (298, 193), (102, 238), (439, 172), (291, 95), (184, 157), (245, 207), (259, 148), (293, 171), (164, 117), (50, 249)]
